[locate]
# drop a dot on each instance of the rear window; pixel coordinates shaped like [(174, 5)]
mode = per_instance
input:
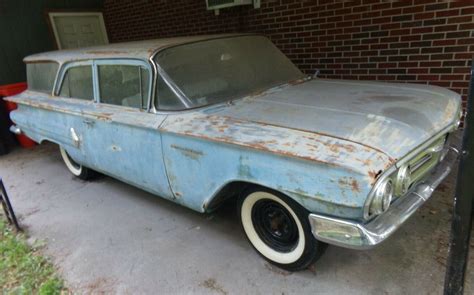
[(41, 76)]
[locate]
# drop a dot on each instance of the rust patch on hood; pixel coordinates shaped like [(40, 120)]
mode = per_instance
[(289, 142)]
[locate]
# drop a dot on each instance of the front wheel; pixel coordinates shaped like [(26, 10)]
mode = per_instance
[(278, 228), (76, 169)]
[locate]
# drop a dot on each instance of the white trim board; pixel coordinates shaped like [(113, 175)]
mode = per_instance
[(99, 15)]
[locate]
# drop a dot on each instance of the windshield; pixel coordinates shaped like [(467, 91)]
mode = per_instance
[(219, 70)]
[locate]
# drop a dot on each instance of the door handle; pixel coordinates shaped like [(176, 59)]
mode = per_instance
[(75, 138), (89, 122)]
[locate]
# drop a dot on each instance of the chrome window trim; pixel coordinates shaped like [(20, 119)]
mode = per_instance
[(168, 81), (119, 62), (173, 86), (55, 77), (151, 102), (95, 79), (62, 72)]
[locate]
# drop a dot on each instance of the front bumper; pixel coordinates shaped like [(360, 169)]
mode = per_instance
[(350, 234)]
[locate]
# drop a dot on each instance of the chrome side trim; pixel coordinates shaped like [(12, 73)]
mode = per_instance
[(151, 101), (15, 130), (355, 235)]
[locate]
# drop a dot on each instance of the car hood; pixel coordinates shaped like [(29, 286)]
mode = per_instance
[(390, 117)]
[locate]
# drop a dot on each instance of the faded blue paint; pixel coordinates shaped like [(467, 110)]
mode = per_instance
[(321, 142), (189, 156), (196, 179), (114, 144), (391, 117)]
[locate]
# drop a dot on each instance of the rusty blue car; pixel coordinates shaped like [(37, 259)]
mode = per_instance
[(198, 120)]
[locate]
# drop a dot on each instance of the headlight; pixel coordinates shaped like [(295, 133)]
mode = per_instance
[(403, 180), (382, 198)]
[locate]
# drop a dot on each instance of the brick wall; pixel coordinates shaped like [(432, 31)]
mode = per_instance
[(423, 41), (143, 19)]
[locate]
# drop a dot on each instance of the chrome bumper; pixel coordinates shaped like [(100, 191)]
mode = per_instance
[(350, 234), (15, 130)]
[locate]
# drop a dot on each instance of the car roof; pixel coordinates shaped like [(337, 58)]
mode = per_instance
[(136, 49)]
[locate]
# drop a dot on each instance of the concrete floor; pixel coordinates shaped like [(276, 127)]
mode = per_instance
[(106, 236)]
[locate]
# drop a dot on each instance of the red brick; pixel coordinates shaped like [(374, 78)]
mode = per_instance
[(460, 19), (418, 71), (466, 11), (397, 11), (445, 13), (421, 30), (446, 28), (412, 9), (466, 26), (427, 15), (386, 77), (407, 40), (410, 38), (452, 77), (444, 42), (465, 41), (428, 77), (408, 64)]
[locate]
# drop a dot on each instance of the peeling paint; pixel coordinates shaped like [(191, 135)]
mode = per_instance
[(324, 143), (349, 183), (192, 154), (283, 141)]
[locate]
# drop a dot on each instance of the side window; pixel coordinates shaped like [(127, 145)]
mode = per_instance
[(77, 83), (40, 76), (124, 85), (166, 99)]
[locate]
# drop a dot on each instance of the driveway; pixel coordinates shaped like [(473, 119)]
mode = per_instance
[(107, 236)]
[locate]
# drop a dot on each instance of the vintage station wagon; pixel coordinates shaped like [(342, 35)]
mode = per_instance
[(197, 120)]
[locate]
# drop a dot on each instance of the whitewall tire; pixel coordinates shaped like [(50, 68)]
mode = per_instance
[(76, 169), (278, 228)]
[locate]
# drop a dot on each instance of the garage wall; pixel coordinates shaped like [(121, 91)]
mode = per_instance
[(137, 20), (423, 41), (24, 31)]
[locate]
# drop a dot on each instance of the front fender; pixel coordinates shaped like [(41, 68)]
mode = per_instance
[(198, 169), (325, 174)]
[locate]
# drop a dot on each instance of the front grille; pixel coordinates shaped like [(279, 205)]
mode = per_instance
[(426, 160), (418, 164)]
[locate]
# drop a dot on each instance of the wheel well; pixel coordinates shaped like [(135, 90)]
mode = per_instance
[(44, 140), (230, 190)]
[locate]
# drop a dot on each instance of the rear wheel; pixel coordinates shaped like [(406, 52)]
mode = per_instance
[(278, 228), (76, 169)]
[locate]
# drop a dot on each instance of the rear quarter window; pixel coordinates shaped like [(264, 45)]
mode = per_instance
[(41, 75)]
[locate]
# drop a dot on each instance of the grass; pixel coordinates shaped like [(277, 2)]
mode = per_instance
[(22, 269)]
